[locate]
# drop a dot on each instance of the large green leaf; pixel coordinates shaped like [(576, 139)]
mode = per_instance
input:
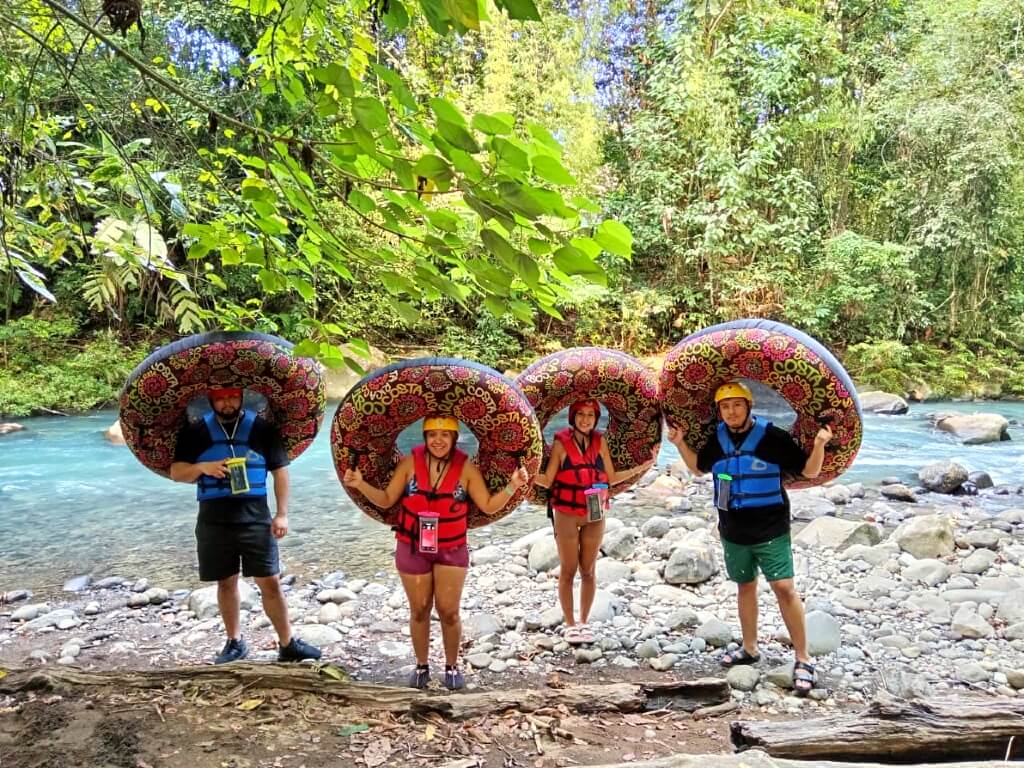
[(615, 238), (549, 169), (573, 261), (370, 113)]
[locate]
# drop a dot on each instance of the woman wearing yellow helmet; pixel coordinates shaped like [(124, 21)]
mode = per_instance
[(748, 458), (434, 484)]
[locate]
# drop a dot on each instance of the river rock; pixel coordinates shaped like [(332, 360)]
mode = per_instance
[(927, 571), (141, 585), (29, 612), (926, 536), (338, 595), (610, 571), (605, 605), (61, 616), (656, 527), (683, 618), (715, 633), (479, 660), (967, 623), (979, 561), (587, 655), (693, 561), (836, 533), (743, 678), (619, 544), (664, 485), (986, 538), (877, 555), (114, 434), (109, 582), (942, 476), (981, 480), (328, 613), (203, 602), (525, 543), (839, 494), (488, 555), (1011, 607), (822, 633), (16, 596), (551, 617), (480, 624), (898, 492), (9, 427), (544, 555), (882, 402), (78, 583), (156, 595), (974, 673), (318, 634), (781, 676), (648, 649), (975, 428), (664, 663), (137, 600)]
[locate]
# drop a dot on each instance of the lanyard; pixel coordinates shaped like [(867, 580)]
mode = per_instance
[(231, 437), (581, 445), (441, 468)]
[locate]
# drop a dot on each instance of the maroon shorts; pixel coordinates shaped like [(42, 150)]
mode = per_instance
[(408, 560)]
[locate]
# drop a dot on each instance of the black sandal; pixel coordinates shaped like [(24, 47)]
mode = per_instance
[(739, 658), (803, 678)]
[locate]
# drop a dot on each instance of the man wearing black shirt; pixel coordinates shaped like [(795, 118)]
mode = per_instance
[(749, 459), (235, 525)]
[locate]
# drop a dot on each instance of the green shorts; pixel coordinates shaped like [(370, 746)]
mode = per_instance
[(774, 557)]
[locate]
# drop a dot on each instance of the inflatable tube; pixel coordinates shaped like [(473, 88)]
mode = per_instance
[(156, 396), (793, 364), (375, 411), (626, 389)]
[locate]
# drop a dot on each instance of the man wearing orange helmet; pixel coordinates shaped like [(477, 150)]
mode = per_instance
[(749, 457)]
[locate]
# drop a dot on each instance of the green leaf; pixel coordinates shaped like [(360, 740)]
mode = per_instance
[(445, 110), (362, 203), (520, 198), (615, 238), (495, 306), (549, 169), (499, 246), (303, 287), (539, 247), (407, 312), (434, 168), (370, 113), (457, 136), (527, 269), (466, 12), (510, 156), (520, 9), (397, 18), (338, 76), (306, 348), (498, 124), (541, 134), (573, 261), (351, 730), (397, 86)]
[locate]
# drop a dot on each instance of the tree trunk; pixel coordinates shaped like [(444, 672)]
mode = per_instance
[(618, 697), (897, 731), (757, 759)]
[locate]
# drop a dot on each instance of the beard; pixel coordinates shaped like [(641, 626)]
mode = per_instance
[(228, 414)]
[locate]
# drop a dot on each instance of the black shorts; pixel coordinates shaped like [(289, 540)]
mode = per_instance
[(222, 547)]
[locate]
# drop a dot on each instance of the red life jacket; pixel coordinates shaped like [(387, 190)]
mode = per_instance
[(451, 524), (578, 472)]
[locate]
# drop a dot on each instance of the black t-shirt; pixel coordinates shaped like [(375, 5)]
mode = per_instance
[(753, 526), (194, 438)]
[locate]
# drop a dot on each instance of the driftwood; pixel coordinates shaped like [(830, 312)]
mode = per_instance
[(684, 696), (897, 731), (757, 759)]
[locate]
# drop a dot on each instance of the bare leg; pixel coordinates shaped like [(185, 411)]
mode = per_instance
[(228, 602), (747, 601), (448, 581), (591, 536), (792, 609), (419, 588), (567, 537), (275, 606)]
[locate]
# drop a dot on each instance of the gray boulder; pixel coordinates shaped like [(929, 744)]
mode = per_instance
[(882, 402), (979, 561), (975, 428), (1011, 607), (78, 583), (609, 571), (743, 678), (898, 492), (693, 560), (203, 602), (656, 527), (836, 533), (487, 555), (715, 633), (318, 634), (480, 624), (544, 554), (968, 623), (981, 480), (942, 476), (927, 571), (822, 633), (619, 544), (926, 536)]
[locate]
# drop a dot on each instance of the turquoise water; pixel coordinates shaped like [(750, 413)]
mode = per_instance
[(71, 503)]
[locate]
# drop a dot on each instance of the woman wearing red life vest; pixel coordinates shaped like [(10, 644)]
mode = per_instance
[(435, 484), (579, 461)]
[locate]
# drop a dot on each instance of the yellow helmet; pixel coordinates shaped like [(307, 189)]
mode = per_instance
[(733, 389), (440, 422)]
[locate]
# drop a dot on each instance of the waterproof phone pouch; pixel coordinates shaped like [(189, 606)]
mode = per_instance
[(428, 531), (237, 475), (597, 502), (722, 499)]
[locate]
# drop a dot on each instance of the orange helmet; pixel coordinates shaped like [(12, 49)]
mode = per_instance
[(440, 422)]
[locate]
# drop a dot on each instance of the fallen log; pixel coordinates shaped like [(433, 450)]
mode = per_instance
[(897, 731), (758, 759), (684, 696)]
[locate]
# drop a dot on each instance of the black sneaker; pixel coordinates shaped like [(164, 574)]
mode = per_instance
[(419, 677), (453, 679), (233, 650), (297, 650)]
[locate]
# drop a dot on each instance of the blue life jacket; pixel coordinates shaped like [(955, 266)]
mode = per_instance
[(224, 447), (755, 482)]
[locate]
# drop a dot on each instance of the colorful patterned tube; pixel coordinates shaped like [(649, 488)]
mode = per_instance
[(376, 410), (155, 398), (623, 386), (788, 361)]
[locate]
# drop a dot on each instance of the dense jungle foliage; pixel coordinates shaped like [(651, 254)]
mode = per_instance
[(500, 179)]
